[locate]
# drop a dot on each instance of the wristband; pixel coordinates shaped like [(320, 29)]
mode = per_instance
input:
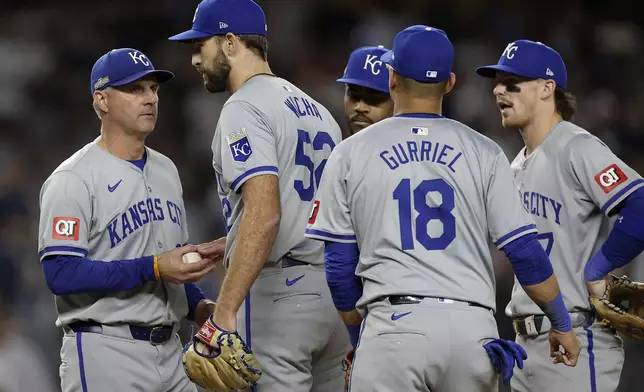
[(156, 267)]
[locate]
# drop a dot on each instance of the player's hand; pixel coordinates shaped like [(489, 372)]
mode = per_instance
[(570, 344), (596, 288), (213, 250), (173, 269)]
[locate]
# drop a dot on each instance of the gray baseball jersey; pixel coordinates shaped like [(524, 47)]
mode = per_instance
[(570, 184), (422, 197), (98, 206), (269, 126)]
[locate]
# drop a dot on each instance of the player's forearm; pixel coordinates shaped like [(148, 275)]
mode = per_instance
[(257, 232), (625, 241), (340, 261), (544, 292), (534, 272), (73, 275)]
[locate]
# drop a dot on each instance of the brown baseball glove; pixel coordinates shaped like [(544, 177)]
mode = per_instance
[(219, 360), (622, 306)]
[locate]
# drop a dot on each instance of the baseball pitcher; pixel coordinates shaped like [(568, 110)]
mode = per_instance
[(409, 204), (366, 96), (111, 240), (270, 148), (570, 182)]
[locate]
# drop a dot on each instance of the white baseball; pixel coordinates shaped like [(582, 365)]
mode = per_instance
[(191, 257)]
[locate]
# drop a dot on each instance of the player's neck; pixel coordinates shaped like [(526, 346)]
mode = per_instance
[(121, 145), (536, 131), (404, 105), (253, 67)]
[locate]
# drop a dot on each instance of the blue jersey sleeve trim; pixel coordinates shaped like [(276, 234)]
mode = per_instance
[(326, 236), (256, 171), (619, 196), (514, 234), (62, 250)]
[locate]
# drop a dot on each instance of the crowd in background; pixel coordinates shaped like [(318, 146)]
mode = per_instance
[(47, 50)]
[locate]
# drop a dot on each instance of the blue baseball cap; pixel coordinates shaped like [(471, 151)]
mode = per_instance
[(220, 17), (119, 67), (421, 53), (529, 59), (366, 69)]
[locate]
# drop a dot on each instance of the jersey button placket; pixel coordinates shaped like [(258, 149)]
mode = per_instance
[(149, 194)]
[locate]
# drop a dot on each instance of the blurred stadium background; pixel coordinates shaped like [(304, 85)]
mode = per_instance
[(47, 50)]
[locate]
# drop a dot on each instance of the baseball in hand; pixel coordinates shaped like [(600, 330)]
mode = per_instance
[(191, 257)]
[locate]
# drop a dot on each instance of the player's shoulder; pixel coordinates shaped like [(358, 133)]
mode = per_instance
[(79, 163), (467, 137), (77, 169), (477, 139), (271, 96), (572, 139), (158, 158)]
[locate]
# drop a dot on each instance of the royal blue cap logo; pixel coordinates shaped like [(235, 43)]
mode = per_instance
[(529, 59), (366, 69)]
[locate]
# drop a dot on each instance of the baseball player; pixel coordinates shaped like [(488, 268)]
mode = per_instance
[(270, 147), (411, 201), (570, 182), (112, 236), (366, 96)]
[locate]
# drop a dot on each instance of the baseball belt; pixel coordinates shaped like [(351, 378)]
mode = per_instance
[(153, 334), (413, 299), (535, 325)]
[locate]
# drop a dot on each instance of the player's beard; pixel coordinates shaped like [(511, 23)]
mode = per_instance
[(358, 123), (216, 78)]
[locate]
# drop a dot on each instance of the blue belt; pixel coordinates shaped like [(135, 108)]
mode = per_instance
[(154, 335)]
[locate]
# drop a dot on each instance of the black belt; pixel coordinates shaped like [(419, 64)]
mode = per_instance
[(155, 335), (528, 326), (412, 299), (289, 262)]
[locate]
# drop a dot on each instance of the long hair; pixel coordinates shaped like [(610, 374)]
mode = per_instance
[(565, 104)]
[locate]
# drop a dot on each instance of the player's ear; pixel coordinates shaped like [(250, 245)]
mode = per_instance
[(230, 44), (547, 89), (392, 78), (449, 83), (100, 100)]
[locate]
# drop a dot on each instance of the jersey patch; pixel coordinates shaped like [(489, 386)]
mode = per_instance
[(610, 178), (314, 212), (66, 228), (239, 145)]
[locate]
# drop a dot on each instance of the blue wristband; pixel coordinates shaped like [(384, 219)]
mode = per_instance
[(354, 333), (557, 313)]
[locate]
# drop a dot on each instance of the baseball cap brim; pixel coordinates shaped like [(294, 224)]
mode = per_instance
[(190, 35), (160, 75), (489, 71), (363, 83)]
